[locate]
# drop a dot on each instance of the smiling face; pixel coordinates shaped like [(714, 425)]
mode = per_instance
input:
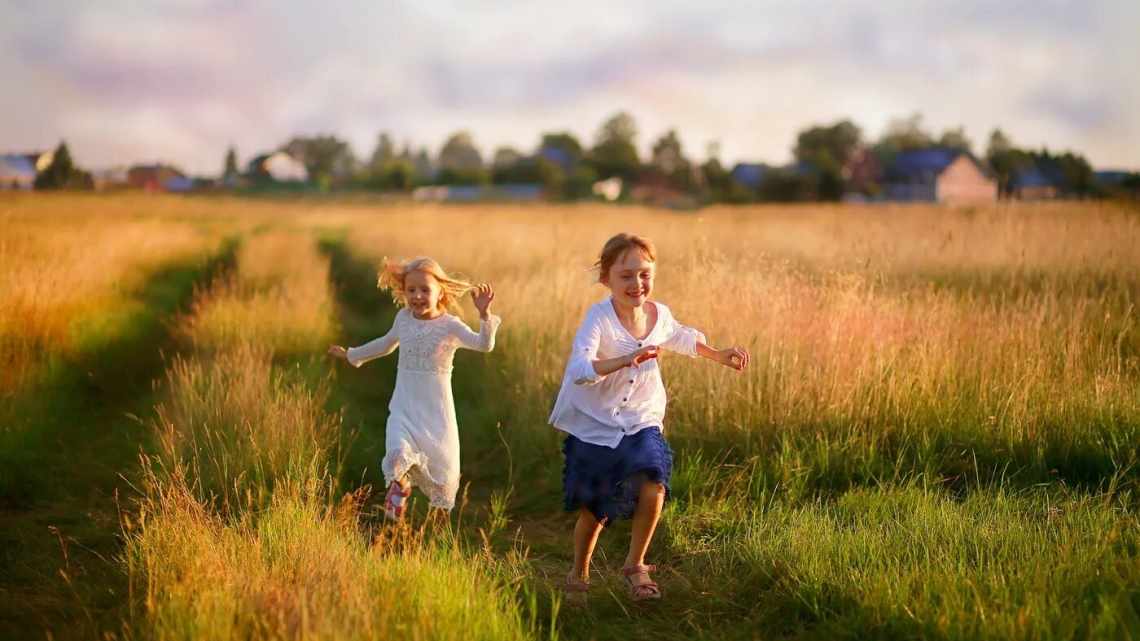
[(422, 291), (630, 278)]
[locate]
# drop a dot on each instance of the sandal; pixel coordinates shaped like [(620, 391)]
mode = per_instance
[(646, 591), (575, 589), (395, 501)]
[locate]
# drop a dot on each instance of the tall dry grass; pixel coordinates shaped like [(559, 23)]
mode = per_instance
[(240, 534), (70, 272), (278, 298), (878, 334)]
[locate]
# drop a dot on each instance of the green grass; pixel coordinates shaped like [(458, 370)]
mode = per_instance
[(65, 445), (241, 533), (932, 521)]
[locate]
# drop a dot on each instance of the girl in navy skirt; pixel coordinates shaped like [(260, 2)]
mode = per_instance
[(612, 407)]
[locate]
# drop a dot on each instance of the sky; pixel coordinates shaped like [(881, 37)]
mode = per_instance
[(181, 80)]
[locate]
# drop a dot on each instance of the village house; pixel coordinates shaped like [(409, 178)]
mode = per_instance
[(938, 175), (511, 192), (861, 174), (111, 178), (154, 177), (750, 174), (1032, 184), (18, 171), (278, 166)]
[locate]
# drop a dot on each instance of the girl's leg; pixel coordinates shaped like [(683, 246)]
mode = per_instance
[(586, 533), (649, 503), (395, 501)]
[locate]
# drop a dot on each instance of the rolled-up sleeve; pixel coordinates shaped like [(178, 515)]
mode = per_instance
[(681, 338), (584, 351)]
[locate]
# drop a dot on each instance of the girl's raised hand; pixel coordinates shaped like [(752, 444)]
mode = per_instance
[(642, 355), (338, 351), (734, 357), (482, 294)]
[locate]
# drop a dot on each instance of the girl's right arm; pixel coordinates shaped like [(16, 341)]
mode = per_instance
[(586, 368), (376, 348)]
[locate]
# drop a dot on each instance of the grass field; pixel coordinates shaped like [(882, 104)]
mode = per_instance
[(938, 436)]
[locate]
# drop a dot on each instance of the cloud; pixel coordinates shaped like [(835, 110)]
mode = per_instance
[(180, 80)]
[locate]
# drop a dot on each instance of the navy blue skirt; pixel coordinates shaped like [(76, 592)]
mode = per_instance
[(607, 481)]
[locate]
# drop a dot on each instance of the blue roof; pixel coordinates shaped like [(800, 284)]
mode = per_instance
[(1111, 177), (1031, 177), (921, 163), (510, 191), (557, 156), (179, 183), (749, 174), (16, 165)]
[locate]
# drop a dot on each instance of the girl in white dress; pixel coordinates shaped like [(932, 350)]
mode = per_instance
[(422, 438)]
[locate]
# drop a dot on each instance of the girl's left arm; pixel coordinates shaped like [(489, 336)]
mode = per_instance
[(691, 342), (679, 338), (734, 357), (484, 340)]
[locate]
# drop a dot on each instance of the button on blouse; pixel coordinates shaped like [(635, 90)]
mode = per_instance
[(602, 409)]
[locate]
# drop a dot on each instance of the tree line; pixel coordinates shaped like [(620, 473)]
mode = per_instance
[(831, 161), (825, 157)]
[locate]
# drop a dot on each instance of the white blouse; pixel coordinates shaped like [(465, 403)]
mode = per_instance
[(603, 409)]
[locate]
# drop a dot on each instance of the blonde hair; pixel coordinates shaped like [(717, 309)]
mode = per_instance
[(618, 245), (394, 272)]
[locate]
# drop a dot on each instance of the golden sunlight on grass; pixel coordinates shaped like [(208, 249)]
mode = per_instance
[(67, 276)]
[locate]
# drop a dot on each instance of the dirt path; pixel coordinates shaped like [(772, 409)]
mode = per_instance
[(59, 523), (535, 518)]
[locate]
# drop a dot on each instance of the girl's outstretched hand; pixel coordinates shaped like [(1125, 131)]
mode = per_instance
[(338, 351), (642, 355), (483, 294), (734, 357)]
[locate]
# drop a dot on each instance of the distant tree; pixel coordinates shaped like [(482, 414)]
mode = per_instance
[(956, 139), (1070, 173), (460, 162), (552, 177), (783, 185), (669, 159), (1071, 170), (424, 169), (1005, 160), (580, 184), (230, 171), (460, 154), (326, 158), (565, 142), (902, 134), (505, 157), (615, 149), (398, 174), (837, 142), (999, 143), (62, 173), (826, 150), (382, 154)]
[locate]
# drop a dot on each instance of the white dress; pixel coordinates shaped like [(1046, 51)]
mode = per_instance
[(422, 438)]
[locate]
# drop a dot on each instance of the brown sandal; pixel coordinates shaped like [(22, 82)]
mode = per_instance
[(647, 591), (575, 589)]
